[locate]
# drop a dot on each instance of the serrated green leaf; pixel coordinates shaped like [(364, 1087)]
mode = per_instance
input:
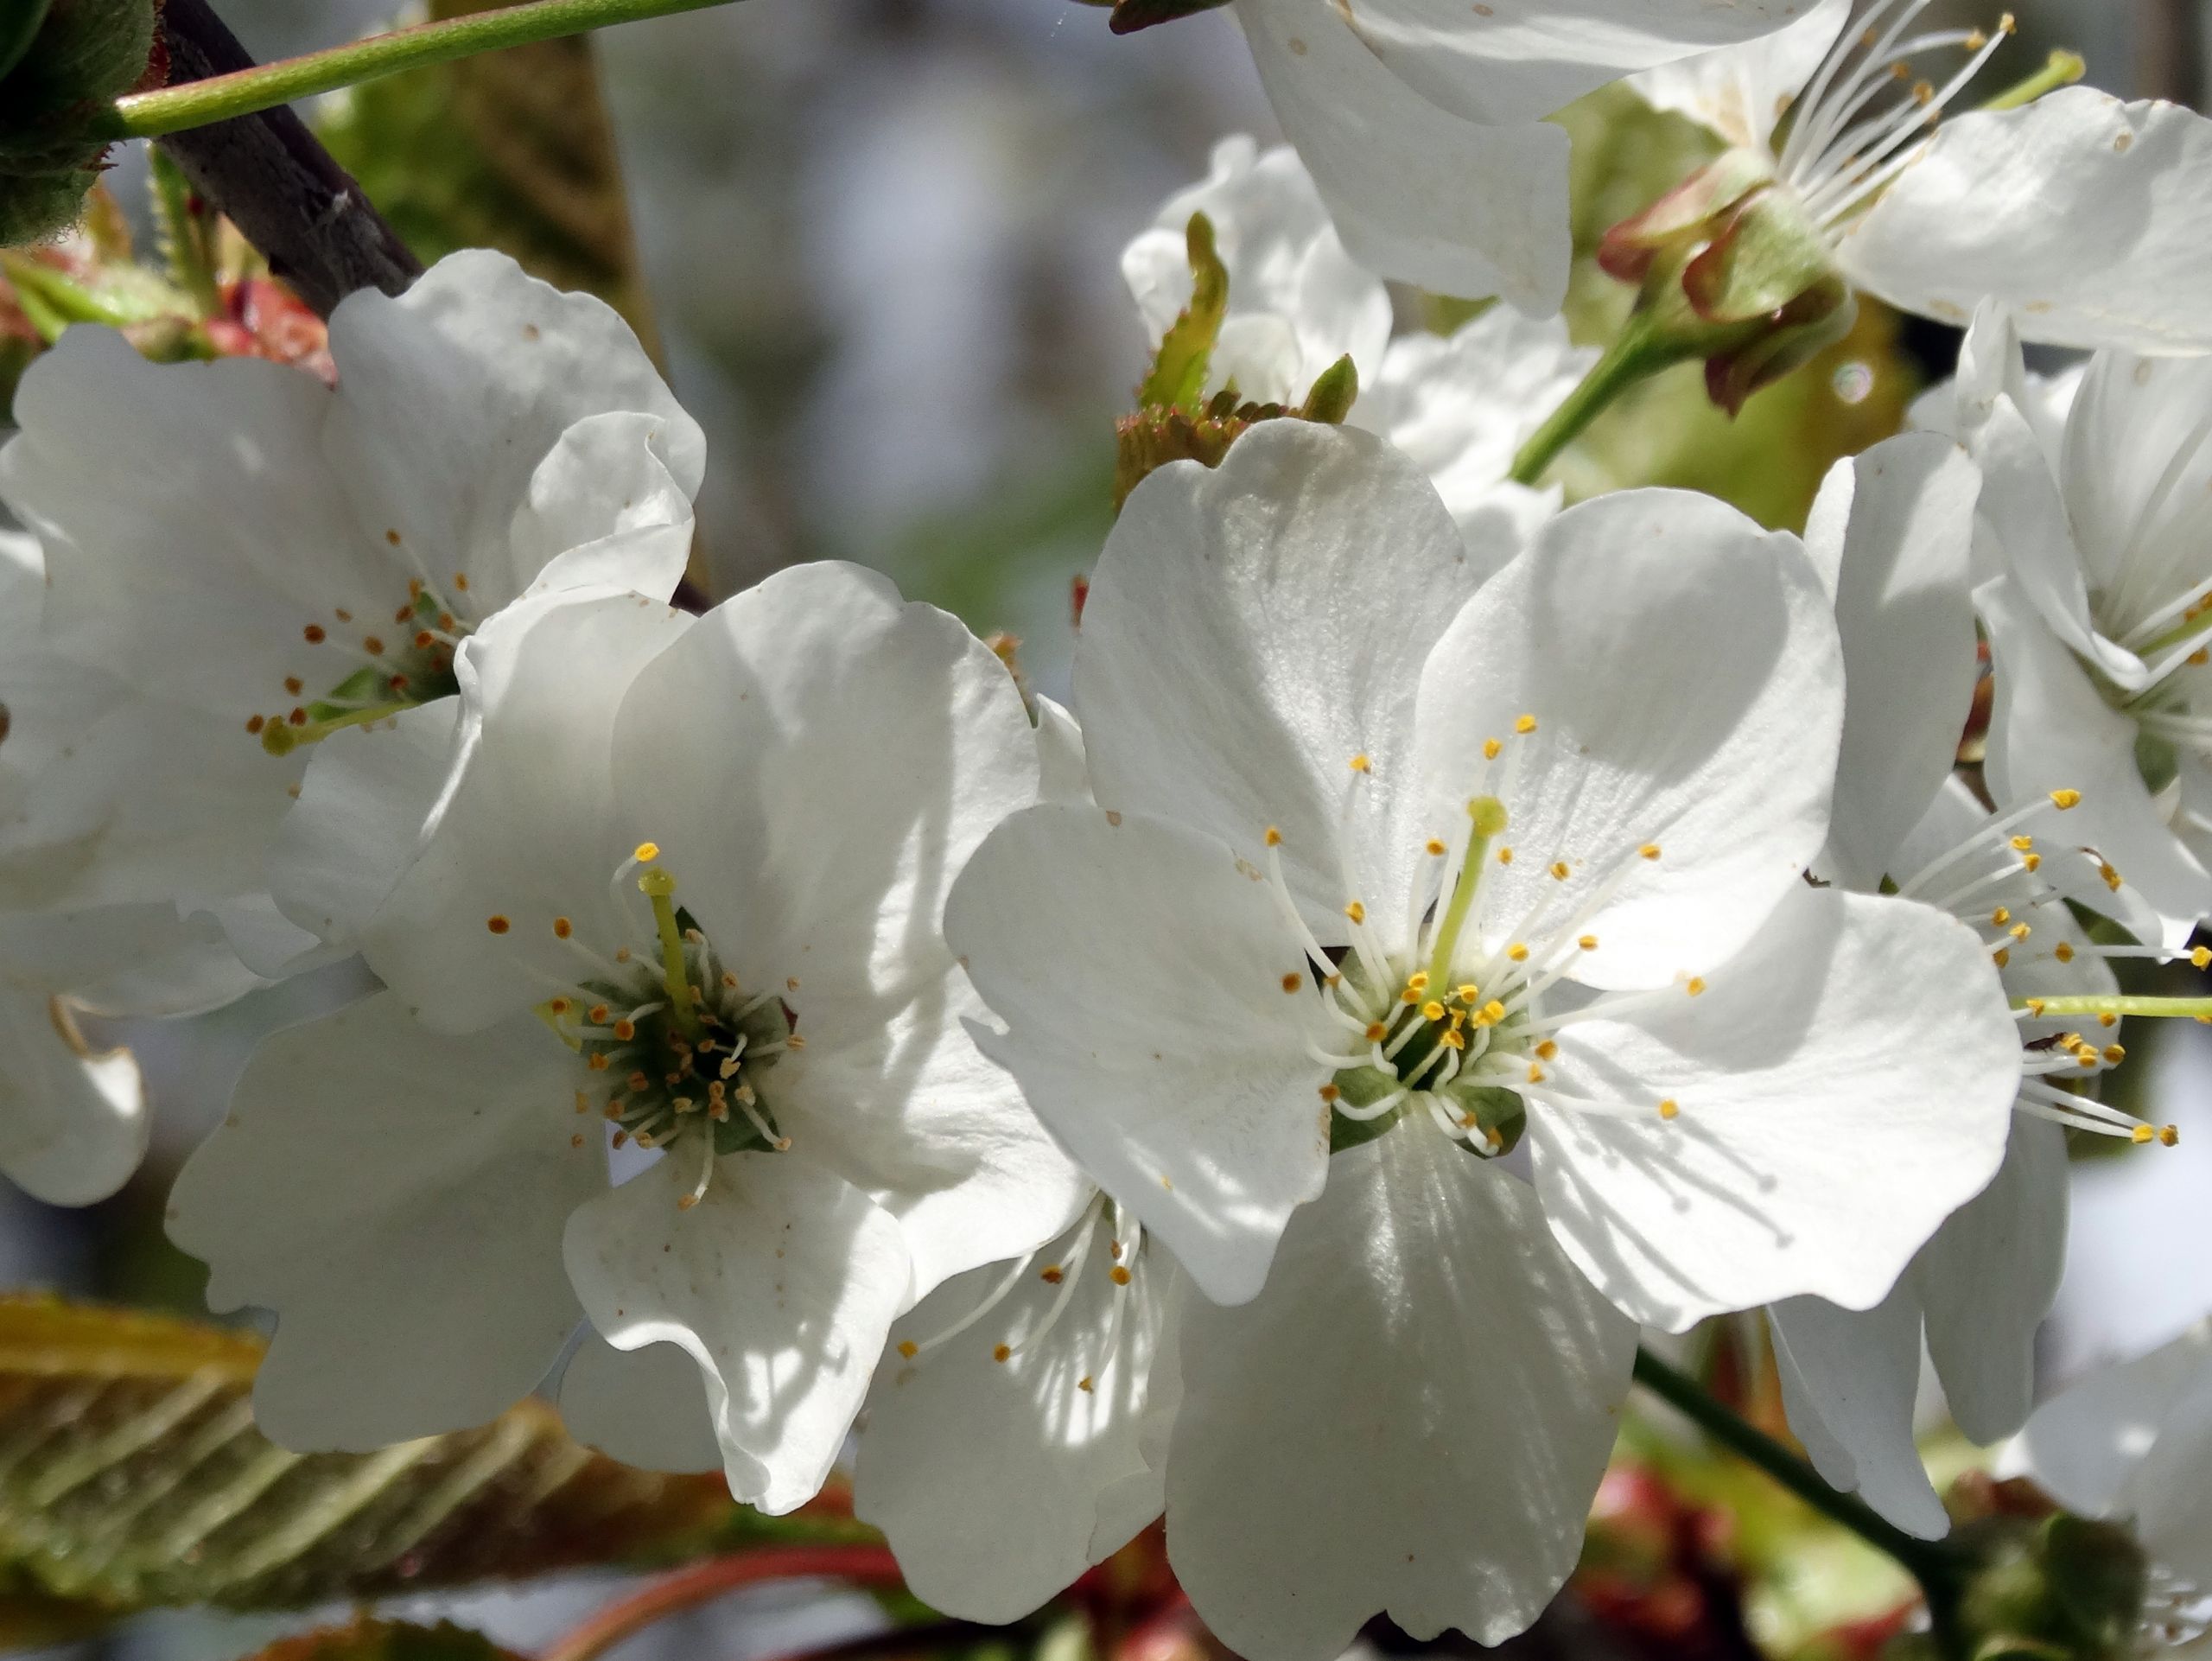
[(508, 150), (131, 1477)]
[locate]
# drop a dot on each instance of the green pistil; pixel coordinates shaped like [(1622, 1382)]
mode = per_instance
[(2063, 68), (659, 888), (2174, 1008), (281, 737), (1489, 817)]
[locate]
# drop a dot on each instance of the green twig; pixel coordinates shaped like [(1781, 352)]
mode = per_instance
[(246, 92), (1928, 1561)]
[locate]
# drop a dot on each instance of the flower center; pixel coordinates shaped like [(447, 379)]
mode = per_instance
[(412, 663), (1458, 1019), (689, 1050)]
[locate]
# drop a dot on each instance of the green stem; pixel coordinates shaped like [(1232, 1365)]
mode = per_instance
[(247, 91), (1641, 350), (1928, 1561)]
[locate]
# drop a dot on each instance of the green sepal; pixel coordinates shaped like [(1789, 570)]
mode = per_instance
[(1329, 400), (1766, 255), (66, 60), (1178, 377), (1501, 1117), (1686, 213), (19, 22), (1359, 1087)]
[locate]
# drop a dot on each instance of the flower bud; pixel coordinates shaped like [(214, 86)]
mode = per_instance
[(2059, 1588), (62, 62)]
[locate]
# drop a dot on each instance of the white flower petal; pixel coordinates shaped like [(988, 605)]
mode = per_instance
[(452, 395), (398, 1199), (530, 829), (371, 795), (1252, 627), (1159, 1014), (2049, 730), (782, 1284), (2084, 1446), (645, 1407), (2169, 1494), (1063, 775), (986, 1475), (873, 742), (1463, 406), (1522, 60), (1848, 1383), (1843, 1084), (1905, 614), (124, 960), (1990, 1276), (604, 510), (1741, 91), (73, 1124), (1418, 194), (1683, 671), (2083, 215), (1410, 1420)]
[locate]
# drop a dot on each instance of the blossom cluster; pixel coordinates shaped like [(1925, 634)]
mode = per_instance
[(1448, 930)]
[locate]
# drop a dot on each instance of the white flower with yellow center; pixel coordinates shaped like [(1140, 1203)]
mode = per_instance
[(1893, 534), (263, 560), (2083, 213), (1410, 873), (1461, 405), (683, 893)]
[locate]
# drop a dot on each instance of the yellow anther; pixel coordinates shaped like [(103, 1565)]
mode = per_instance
[(2108, 1020), (908, 1348), (1560, 869), (1670, 1108), (1649, 850), (1536, 1073), (1505, 856), (1376, 1032), (1458, 1019), (1119, 1274), (1547, 1050), (562, 928), (1432, 1010), (2019, 930), (1525, 725), (2064, 800), (1492, 1013), (1588, 943), (1361, 764), (1491, 748), (1001, 1352), (1292, 982), (2035, 1006), (1275, 837), (1517, 952), (2201, 957), (1409, 997), (1330, 1092), (498, 923), (2001, 957), (2031, 862), (645, 852), (1455, 1040), (2001, 916), (2021, 844), (2113, 878), (1357, 911), (2141, 1134), (1436, 850), (1418, 980), (2063, 952), (1695, 985), (2169, 1134), (2114, 1054)]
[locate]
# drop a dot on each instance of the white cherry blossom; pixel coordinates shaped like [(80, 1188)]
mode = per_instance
[(1462, 405), (2083, 213), (1418, 867), (2096, 605), (263, 560), (684, 888)]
